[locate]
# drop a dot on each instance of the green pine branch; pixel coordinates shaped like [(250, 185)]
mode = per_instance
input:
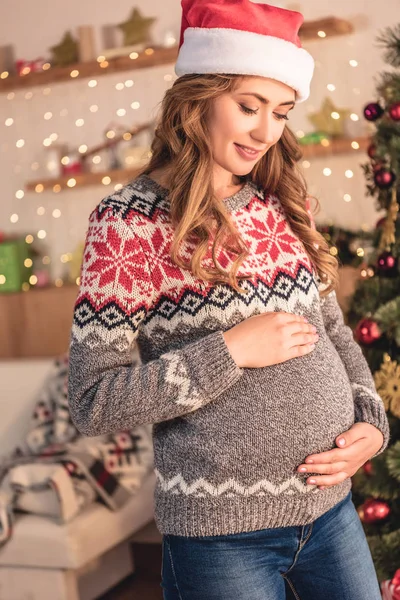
[(378, 485), (393, 461), (388, 318), (385, 550), (389, 39)]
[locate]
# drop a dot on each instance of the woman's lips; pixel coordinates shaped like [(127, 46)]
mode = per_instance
[(246, 154)]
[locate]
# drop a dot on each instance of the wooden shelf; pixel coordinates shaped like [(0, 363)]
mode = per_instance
[(331, 26), (151, 57), (145, 60), (82, 180), (339, 146)]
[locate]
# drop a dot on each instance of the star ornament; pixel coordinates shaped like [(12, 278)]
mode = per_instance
[(387, 385), (136, 29), (66, 53), (330, 119)]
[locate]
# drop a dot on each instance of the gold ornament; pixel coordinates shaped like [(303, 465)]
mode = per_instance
[(388, 236), (74, 266), (324, 122), (66, 53), (387, 381), (136, 28)]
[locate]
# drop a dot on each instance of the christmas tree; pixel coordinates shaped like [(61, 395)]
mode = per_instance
[(375, 315)]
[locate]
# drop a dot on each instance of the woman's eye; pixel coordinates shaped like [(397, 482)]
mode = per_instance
[(247, 111), (250, 111)]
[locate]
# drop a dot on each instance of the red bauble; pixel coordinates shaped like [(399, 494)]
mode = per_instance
[(396, 578), (391, 587), (387, 265), (367, 331), (373, 111), (371, 150), (380, 222), (377, 166), (384, 179), (374, 510), (367, 468), (394, 111)]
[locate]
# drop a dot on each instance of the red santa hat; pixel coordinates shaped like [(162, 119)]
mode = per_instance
[(241, 37)]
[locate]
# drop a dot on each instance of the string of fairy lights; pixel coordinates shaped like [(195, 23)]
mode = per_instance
[(106, 180)]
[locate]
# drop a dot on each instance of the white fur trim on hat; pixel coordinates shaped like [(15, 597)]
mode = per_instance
[(232, 51)]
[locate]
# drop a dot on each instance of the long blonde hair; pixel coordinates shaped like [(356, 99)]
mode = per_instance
[(181, 143)]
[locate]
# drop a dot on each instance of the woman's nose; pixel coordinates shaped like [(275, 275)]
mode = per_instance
[(264, 134)]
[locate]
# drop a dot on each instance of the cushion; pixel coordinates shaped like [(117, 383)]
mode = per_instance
[(38, 541)]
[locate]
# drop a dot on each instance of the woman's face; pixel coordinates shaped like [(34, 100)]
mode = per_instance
[(247, 121)]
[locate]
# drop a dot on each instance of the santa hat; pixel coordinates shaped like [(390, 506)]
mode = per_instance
[(241, 37)]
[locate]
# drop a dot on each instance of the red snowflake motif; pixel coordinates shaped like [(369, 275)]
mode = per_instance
[(118, 261), (158, 246), (271, 237), (225, 256)]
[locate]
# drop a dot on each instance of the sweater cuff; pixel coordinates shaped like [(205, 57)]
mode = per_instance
[(370, 409), (212, 364)]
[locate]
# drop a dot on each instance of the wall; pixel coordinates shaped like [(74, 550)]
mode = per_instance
[(33, 27)]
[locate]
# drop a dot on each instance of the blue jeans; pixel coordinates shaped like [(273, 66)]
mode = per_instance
[(329, 559)]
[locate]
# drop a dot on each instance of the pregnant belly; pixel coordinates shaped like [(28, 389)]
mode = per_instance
[(270, 420)]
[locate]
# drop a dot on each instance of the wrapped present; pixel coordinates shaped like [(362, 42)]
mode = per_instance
[(315, 137), (24, 67), (15, 264), (391, 587)]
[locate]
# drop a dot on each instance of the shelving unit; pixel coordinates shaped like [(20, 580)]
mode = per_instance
[(151, 57), (330, 26), (338, 146), (81, 180)]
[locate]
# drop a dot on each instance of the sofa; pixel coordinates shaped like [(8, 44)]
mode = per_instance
[(79, 560)]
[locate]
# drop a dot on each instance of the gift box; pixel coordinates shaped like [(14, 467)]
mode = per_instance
[(13, 272), (391, 587)]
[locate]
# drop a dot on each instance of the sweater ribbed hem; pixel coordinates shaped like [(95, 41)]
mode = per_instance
[(213, 365), (195, 517), (368, 410)]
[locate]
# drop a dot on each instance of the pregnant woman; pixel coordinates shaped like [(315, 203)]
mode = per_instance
[(207, 308)]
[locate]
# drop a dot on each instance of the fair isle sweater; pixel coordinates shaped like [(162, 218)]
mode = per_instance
[(147, 347)]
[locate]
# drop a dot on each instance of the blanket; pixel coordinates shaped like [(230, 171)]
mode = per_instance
[(57, 472)]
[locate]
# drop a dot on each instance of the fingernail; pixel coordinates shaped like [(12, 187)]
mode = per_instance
[(322, 487), (312, 481), (302, 469), (309, 460), (341, 442)]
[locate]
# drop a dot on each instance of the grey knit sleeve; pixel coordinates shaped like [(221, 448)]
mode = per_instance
[(109, 389), (368, 405)]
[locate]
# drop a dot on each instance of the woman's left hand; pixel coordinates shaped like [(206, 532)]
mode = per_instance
[(361, 442)]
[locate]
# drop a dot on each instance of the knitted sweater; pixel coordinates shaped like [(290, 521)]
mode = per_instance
[(147, 347)]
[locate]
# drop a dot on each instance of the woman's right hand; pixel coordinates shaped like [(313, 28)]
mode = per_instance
[(269, 339)]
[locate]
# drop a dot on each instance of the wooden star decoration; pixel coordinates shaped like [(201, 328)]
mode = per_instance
[(387, 385), (66, 53), (324, 122), (136, 28)]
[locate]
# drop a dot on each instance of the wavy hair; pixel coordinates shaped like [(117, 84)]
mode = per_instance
[(181, 146)]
